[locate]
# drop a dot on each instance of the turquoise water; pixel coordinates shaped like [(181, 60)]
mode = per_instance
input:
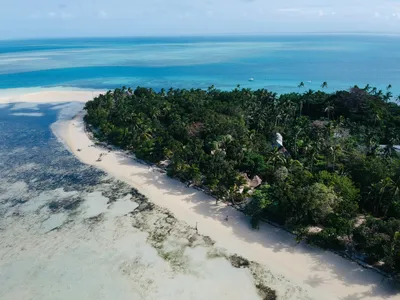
[(275, 62)]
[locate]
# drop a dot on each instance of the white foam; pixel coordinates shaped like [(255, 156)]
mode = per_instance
[(28, 114), (25, 105)]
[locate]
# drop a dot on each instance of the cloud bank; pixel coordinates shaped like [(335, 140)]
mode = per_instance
[(47, 18)]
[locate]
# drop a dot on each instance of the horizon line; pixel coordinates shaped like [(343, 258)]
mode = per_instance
[(359, 33)]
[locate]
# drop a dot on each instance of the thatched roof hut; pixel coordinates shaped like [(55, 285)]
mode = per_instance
[(252, 183)]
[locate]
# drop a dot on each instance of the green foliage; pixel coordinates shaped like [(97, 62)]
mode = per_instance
[(344, 188), (261, 199), (331, 169), (379, 240), (253, 164), (327, 239), (318, 201)]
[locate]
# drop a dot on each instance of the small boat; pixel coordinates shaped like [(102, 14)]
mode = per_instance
[(251, 79)]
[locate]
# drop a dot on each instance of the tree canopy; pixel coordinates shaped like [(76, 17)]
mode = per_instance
[(337, 170)]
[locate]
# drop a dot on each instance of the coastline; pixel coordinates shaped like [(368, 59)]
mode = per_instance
[(318, 271), (95, 237), (270, 246), (47, 95)]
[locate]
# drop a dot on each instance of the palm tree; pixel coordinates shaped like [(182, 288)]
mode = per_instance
[(301, 107), (130, 91), (389, 87), (377, 118), (334, 150), (395, 186), (299, 129), (221, 143), (387, 96), (324, 85), (163, 93), (211, 89), (301, 84), (367, 87), (386, 186), (389, 149), (329, 109), (311, 153), (276, 159)]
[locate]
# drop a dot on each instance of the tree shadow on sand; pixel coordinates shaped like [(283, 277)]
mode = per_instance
[(271, 238)]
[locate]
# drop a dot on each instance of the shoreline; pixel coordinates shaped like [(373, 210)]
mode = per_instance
[(47, 95), (320, 272)]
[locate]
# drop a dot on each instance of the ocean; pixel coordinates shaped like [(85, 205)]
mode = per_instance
[(67, 229), (278, 63)]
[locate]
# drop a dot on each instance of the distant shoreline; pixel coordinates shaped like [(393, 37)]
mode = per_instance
[(200, 61), (221, 35)]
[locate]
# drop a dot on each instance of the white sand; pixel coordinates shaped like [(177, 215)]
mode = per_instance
[(108, 260), (324, 274), (28, 114), (48, 95)]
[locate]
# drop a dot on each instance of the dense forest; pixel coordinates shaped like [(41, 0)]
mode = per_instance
[(324, 165)]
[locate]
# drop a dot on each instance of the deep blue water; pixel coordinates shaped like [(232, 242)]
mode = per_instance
[(275, 62)]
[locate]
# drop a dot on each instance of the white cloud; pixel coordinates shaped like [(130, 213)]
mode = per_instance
[(296, 10), (160, 17), (102, 14), (54, 15), (65, 15), (319, 11)]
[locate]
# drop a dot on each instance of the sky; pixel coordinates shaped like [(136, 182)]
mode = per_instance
[(80, 18)]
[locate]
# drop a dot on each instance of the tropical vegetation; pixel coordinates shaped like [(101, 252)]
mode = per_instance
[(335, 180)]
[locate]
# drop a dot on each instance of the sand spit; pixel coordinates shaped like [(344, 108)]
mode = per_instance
[(29, 96)]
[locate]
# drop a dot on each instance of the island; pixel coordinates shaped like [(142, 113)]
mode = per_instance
[(324, 166)]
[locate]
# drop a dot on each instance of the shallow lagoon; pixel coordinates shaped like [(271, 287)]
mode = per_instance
[(278, 63)]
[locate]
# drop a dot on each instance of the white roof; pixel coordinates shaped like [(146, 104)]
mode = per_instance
[(396, 147)]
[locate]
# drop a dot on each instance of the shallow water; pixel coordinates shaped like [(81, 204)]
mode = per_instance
[(68, 231), (275, 62), (32, 155)]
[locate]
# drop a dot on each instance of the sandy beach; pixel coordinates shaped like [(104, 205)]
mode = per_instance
[(296, 271), (48, 95)]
